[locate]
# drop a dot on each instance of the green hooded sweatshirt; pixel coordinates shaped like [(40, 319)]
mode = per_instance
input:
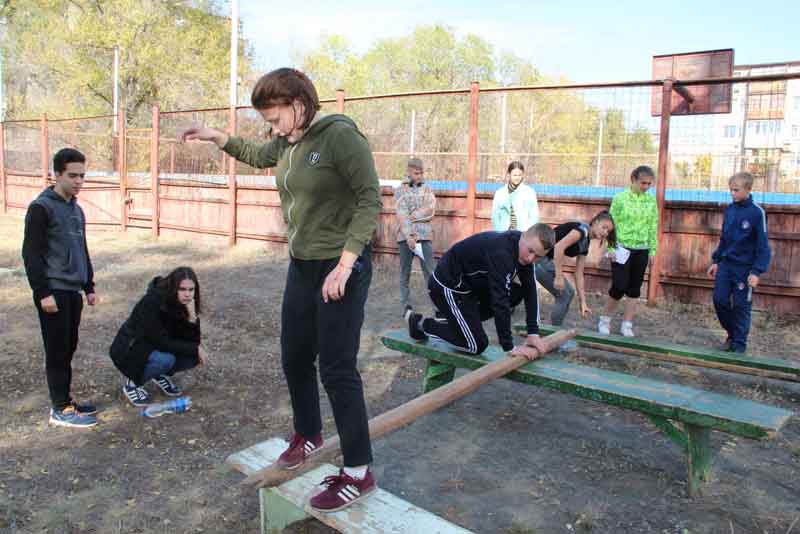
[(328, 185)]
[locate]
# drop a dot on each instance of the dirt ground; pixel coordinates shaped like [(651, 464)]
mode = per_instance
[(508, 459)]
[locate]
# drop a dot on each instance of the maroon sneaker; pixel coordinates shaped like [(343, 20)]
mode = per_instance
[(342, 490), (299, 447)]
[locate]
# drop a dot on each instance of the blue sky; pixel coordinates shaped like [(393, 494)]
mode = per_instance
[(584, 41)]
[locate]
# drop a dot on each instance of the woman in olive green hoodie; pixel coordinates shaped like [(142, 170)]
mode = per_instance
[(330, 199)]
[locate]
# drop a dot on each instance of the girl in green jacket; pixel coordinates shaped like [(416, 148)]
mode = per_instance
[(635, 216), (330, 198)]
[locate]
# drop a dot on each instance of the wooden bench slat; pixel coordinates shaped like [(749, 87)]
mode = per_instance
[(681, 403), (381, 512), (658, 347)]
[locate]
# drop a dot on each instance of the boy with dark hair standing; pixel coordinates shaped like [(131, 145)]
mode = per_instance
[(475, 280), (58, 267), (742, 256)]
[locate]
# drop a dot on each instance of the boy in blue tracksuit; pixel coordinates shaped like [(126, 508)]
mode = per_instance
[(741, 258)]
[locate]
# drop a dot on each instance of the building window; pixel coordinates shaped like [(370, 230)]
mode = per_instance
[(764, 127), (795, 130), (730, 131), (765, 106)]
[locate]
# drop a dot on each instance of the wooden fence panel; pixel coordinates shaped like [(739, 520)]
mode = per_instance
[(691, 229)]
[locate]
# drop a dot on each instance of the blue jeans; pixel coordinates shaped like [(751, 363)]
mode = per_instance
[(545, 271), (165, 363)]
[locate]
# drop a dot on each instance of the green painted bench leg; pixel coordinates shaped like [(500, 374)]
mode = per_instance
[(698, 457), (695, 442), (674, 433), (437, 374), (276, 512)]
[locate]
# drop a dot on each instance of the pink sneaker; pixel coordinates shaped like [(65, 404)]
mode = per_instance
[(299, 447), (342, 490)]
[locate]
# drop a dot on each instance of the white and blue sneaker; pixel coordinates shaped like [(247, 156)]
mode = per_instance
[(70, 417), (569, 345), (84, 408)]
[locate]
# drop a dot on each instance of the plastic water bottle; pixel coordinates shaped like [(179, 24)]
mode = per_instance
[(181, 404)]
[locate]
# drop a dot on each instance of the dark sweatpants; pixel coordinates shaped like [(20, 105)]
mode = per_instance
[(733, 301), (60, 336), (310, 327), (464, 313)]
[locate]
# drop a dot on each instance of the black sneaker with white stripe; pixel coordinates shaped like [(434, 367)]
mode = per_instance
[(414, 329), (136, 395), (166, 385)]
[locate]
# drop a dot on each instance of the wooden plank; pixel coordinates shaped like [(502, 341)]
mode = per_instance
[(411, 410), (720, 412), (381, 512), (692, 355)]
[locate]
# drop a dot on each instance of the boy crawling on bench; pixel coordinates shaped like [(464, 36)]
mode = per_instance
[(485, 276)]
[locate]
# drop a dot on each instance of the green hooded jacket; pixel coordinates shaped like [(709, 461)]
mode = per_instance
[(328, 185)]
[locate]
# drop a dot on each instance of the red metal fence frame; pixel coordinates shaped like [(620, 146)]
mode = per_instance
[(657, 278)]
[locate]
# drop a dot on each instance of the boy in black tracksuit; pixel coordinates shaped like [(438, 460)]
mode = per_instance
[(58, 267), (742, 256), (475, 280)]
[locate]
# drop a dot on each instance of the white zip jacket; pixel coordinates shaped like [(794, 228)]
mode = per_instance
[(526, 208)]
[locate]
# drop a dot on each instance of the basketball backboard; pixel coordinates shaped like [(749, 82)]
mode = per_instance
[(695, 66)]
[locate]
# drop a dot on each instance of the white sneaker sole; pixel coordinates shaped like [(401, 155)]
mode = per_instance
[(143, 404), (56, 422)]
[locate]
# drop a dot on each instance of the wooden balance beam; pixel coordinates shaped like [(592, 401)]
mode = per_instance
[(672, 352), (406, 413), (685, 415)]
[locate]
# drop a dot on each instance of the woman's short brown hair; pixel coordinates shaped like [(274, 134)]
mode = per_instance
[(284, 86)]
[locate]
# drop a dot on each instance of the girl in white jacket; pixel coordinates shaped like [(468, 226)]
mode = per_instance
[(514, 206)]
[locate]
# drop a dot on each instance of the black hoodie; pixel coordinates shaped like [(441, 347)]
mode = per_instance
[(153, 325), (54, 247)]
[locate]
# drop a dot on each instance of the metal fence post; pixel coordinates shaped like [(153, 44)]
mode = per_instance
[(472, 154), (45, 151), (154, 139), (340, 101), (232, 189), (3, 166), (653, 285), (123, 169)]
